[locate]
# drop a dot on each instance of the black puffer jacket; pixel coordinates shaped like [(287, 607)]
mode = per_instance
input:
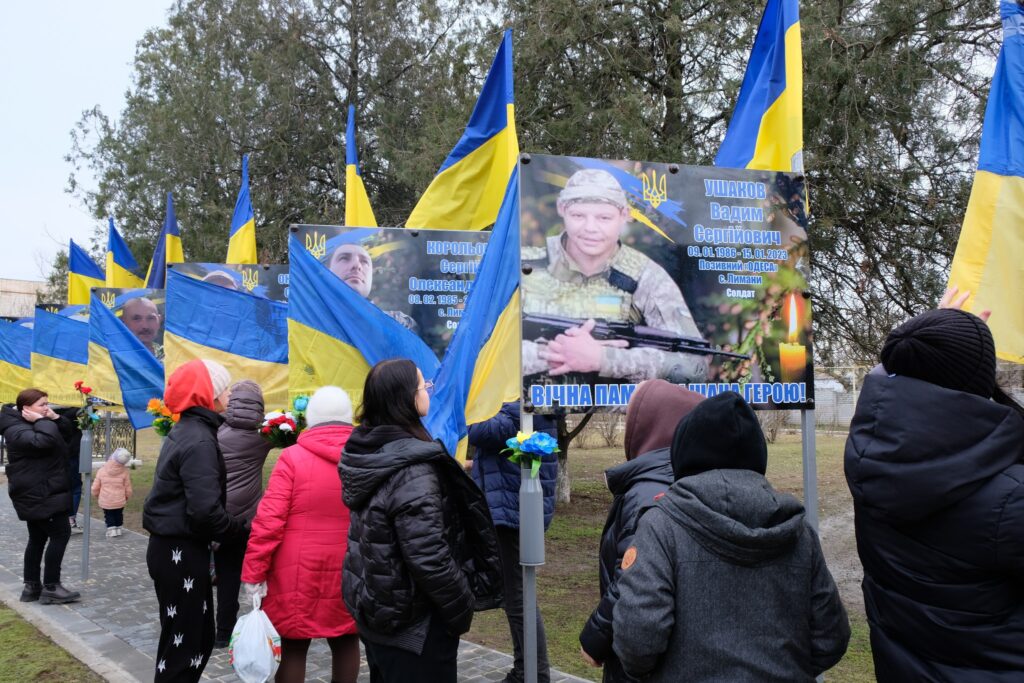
[(634, 485), (937, 478), (37, 468), (188, 494), (421, 543)]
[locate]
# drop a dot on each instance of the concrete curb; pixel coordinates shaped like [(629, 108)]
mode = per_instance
[(107, 655)]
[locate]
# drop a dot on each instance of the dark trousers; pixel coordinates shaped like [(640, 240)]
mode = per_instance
[(113, 517), (228, 561), (512, 575), (56, 530), (180, 569), (76, 485), (439, 662)]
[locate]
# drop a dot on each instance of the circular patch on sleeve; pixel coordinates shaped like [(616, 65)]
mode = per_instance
[(629, 558)]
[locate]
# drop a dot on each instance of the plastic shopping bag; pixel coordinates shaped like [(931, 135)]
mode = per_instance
[(255, 647)]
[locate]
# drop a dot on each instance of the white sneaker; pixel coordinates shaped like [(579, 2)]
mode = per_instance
[(120, 531), (75, 529), (111, 532)]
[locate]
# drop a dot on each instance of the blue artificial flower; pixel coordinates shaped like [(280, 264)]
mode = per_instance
[(540, 443), (300, 403), (513, 443)]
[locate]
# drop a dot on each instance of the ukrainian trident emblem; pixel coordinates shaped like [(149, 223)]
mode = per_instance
[(108, 299), (316, 244), (655, 189), (250, 278)]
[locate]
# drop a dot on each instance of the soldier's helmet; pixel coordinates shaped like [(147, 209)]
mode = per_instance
[(593, 185)]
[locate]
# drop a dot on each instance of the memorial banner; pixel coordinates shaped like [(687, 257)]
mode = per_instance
[(269, 281), (635, 270)]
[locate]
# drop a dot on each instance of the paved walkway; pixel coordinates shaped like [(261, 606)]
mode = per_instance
[(114, 628)]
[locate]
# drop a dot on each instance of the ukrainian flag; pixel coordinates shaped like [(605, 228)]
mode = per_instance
[(83, 274), (15, 358), (480, 370), (334, 335), (168, 249), (358, 211), (766, 131), (60, 353), (121, 265), (139, 375), (467, 192), (246, 334), (990, 251), (242, 239)]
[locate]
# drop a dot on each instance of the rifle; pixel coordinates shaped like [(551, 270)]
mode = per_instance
[(638, 336)]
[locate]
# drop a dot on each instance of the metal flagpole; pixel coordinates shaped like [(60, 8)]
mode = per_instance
[(531, 550), (810, 460), (85, 468)]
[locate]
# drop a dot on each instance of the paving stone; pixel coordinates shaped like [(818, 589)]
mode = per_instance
[(118, 600)]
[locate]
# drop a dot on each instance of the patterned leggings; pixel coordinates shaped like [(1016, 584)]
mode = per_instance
[(180, 569)]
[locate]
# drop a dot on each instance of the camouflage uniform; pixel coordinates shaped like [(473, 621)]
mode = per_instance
[(633, 289)]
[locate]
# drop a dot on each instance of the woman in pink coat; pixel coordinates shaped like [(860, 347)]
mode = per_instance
[(298, 543)]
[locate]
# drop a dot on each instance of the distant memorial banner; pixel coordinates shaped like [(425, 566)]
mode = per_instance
[(636, 270), (269, 281), (420, 278)]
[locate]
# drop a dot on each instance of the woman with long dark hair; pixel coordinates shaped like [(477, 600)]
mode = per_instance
[(422, 552), (39, 487)]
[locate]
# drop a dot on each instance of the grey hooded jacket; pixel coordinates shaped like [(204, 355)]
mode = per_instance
[(245, 451), (727, 583)]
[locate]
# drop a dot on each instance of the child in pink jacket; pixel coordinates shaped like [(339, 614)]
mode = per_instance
[(113, 485)]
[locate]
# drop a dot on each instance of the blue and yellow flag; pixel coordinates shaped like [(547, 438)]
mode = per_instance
[(122, 268), (246, 334), (358, 211), (15, 358), (60, 352), (139, 375), (990, 253), (83, 274), (168, 249), (335, 335), (766, 131), (466, 193), (480, 369), (242, 238)]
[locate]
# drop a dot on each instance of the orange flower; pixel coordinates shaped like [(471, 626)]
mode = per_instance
[(165, 411), (175, 417), (153, 405)]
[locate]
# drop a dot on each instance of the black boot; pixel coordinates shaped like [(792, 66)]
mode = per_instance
[(31, 592), (56, 594)]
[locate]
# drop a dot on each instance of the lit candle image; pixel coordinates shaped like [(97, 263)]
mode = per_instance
[(792, 355)]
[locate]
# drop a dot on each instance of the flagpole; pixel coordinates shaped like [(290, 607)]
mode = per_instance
[(531, 548)]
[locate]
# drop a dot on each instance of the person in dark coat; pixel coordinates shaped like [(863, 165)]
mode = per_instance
[(245, 453), (37, 482), (725, 580), (184, 513), (499, 479), (422, 553), (936, 469), (655, 409)]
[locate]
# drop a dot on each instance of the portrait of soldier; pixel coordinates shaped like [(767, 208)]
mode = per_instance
[(586, 274), (221, 278), (354, 266), (142, 318)]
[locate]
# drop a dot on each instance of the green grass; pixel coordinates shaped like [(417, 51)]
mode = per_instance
[(28, 655), (568, 583)]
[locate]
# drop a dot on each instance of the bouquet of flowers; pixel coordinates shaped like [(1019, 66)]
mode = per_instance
[(165, 419), (282, 428), (87, 417), (531, 448)]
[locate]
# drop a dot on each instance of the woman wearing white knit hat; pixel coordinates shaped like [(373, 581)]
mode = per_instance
[(184, 513), (298, 543)]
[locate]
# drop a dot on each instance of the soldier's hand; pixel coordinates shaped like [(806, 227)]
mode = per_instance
[(577, 350)]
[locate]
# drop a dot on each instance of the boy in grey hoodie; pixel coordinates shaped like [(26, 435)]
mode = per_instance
[(725, 580)]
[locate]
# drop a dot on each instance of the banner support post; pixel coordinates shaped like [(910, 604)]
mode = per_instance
[(810, 466), (85, 468), (531, 550)]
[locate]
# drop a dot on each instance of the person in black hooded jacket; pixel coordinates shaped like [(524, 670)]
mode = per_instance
[(936, 469), (655, 408), (422, 551), (725, 580), (37, 482)]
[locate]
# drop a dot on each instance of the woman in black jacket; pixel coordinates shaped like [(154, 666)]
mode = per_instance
[(184, 513), (935, 463), (38, 484), (422, 552)]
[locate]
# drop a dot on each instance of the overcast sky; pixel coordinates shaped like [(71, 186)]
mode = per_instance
[(57, 59)]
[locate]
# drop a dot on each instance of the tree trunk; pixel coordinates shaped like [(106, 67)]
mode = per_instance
[(563, 485)]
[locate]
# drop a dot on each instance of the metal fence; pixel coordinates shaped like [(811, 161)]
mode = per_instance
[(113, 431)]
